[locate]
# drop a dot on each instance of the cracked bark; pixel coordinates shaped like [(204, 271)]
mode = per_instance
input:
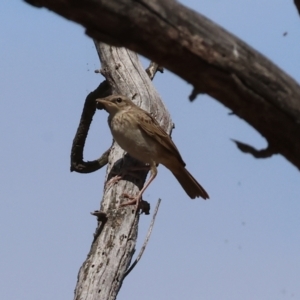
[(102, 273), (214, 61)]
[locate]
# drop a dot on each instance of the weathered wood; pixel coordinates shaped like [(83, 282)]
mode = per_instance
[(102, 273), (204, 54)]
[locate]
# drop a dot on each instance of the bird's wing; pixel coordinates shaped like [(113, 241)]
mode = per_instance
[(149, 125)]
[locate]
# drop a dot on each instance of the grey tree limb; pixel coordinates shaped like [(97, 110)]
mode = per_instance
[(102, 273), (214, 61)]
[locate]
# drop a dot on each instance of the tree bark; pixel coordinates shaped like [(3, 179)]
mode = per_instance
[(201, 52), (102, 273)]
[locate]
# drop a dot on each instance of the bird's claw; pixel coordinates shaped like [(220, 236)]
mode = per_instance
[(140, 205), (113, 180)]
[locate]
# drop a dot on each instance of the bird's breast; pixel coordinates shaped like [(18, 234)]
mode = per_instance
[(128, 134)]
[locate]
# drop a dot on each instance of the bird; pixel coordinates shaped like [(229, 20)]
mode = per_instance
[(140, 135)]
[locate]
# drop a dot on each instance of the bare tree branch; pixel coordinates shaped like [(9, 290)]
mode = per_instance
[(89, 108), (297, 3), (263, 153), (145, 242), (153, 68), (201, 52), (113, 246)]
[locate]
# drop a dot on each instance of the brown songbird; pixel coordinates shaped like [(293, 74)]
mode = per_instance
[(139, 134)]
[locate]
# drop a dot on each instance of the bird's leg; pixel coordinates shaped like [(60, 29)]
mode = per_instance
[(114, 180), (137, 199), (121, 174)]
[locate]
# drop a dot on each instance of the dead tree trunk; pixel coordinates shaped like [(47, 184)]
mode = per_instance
[(102, 273)]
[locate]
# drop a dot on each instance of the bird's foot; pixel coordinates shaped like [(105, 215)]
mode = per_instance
[(132, 200), (140, 205), (113, 180), (129, 172)]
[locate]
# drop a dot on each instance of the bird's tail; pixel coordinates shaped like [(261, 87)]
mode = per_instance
[(189, 183)]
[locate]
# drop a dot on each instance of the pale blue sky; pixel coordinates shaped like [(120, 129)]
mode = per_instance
[(244, 243)]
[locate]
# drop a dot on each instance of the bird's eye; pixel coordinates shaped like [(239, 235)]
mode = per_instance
[(119, 100)]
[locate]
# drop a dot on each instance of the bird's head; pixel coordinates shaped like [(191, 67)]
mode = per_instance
[(115, 103)]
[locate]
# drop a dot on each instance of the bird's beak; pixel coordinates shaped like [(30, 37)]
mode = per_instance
[(103, 103)]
